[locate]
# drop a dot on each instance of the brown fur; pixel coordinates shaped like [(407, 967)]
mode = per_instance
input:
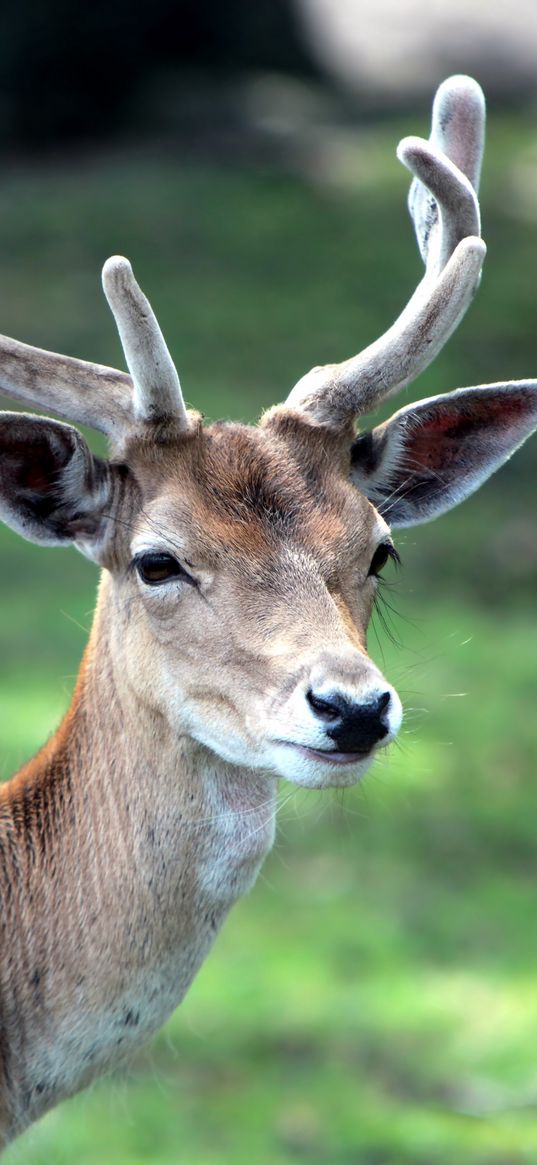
[(127, 838)]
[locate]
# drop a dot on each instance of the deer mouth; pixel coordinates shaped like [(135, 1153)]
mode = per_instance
[(328, 755)]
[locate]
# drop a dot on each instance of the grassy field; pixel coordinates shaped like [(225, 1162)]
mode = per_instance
[(374, 1000)]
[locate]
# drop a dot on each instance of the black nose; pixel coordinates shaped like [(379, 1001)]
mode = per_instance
[(354, 727)]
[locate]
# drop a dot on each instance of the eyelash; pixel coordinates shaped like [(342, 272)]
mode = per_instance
[(383, 552)]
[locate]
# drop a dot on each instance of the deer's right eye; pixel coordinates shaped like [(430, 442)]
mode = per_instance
[(155, 568)]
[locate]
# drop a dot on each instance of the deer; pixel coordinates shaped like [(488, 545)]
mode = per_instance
[(229, 644)]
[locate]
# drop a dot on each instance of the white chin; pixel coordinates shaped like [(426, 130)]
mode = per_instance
[(304, 766)]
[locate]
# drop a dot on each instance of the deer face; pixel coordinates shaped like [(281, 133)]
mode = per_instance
[(243, 562), (242, 596)]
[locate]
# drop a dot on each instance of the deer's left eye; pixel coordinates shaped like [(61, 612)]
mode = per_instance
[(157, 567), (380, 558)]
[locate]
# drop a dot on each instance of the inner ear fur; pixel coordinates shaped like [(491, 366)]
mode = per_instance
[(431, 455), (53, 490)]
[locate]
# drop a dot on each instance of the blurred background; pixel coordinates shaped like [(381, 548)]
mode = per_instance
[(374, 1000)]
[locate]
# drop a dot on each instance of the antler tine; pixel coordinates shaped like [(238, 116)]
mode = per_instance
[(88, 394), (93, 394), (447, 211), (157, 391), (447, 225)]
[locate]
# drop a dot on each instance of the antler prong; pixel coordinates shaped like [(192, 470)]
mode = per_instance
[(445, 210), (157, 390), (92, 394), (452, 210), (457, 136), (458, 124)]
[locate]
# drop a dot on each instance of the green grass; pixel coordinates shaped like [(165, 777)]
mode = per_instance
[(373, 1001)]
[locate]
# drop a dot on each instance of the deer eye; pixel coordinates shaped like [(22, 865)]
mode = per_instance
[(156, 567), (380, 558)]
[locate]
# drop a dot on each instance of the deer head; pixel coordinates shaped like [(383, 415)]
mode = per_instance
[(241, 564)]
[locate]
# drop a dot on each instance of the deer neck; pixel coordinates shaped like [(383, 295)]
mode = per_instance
[(122, 848)]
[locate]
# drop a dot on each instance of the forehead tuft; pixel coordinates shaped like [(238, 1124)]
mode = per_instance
[(246, 487), (278, 482), (250, 474)]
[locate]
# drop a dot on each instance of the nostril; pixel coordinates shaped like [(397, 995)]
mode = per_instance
[(383, 701), (325, 709)]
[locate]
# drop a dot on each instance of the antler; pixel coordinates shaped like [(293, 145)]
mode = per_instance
[(157, 391), (92, 394), (445, 210)]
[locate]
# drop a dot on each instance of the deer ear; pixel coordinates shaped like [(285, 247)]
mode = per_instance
[(52, 488), (431, 455)]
